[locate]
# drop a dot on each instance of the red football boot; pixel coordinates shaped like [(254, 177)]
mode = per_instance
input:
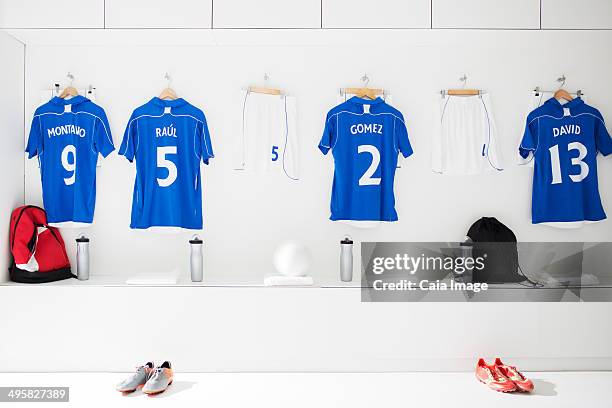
[(522, 383), (493, 377)]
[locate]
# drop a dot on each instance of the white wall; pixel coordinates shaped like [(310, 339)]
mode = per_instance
[(11, 156), (247, 216), (224, 329)]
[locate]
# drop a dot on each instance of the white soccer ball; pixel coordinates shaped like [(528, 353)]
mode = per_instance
[(292, 259)]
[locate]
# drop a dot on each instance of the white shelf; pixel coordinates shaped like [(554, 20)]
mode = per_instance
[(214, 282)]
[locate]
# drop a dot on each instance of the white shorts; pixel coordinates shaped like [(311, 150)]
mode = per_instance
[(465, 137), (267, 140)]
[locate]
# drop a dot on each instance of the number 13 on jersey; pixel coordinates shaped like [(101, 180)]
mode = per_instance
[(555, 163)]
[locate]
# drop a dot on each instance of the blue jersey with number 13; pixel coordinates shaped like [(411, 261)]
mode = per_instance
[(564, 141)]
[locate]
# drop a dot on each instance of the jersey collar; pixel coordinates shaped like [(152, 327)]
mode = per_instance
[(171, 103), (363, 101), (571, 104), (72, 101)]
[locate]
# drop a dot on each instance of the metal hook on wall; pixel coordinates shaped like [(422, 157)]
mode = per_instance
[(463, 80), (70, 77), (366, 80), (168, 79), (562, 80)]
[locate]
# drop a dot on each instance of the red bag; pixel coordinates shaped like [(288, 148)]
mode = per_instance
[(38, 250)]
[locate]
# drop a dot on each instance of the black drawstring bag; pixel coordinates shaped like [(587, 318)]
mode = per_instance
[(497, 244)]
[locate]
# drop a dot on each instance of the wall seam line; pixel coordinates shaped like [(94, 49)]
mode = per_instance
[(306, 28), (321, 14), (25, 50), (431, 14)]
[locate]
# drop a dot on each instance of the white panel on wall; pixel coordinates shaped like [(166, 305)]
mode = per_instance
[(589, 14), (11, 154), (376, 14), (158, 14), (266, 14), (52, 14), (486, 14), (288, 329)]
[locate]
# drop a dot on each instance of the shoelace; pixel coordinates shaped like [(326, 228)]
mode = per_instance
[(495, 375), (156, 372), (515, 373)]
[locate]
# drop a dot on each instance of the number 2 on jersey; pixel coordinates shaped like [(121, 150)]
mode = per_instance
[(367, 179), (163, 162), (555, 163)]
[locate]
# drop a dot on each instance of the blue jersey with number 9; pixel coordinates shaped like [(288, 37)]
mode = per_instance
[(67, 135), (169, 139), (365, 137)]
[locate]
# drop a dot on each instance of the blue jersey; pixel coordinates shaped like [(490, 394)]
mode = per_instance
[(67, 135), (365, 137), (168, 139), (564, 141)]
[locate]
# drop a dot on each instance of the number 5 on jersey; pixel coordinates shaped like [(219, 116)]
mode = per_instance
[(164, 162)]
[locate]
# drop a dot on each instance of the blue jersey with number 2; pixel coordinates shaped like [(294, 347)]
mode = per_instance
[(365, 137), (169, 139), (564, 140)]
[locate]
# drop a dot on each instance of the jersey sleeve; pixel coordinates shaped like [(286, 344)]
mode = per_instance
[(602, 138), (35, 139), (400, 134), (130, 137), (205, 146), (328, 140), (529, 142), (103, 140)]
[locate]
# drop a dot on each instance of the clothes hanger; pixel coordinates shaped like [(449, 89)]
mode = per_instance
[(364, 92), (168, 93), (462, 91), (265, 89), (537, 91), (562, 93), (70, 90)]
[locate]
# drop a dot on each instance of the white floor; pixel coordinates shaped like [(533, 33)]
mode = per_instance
[(568, 389)]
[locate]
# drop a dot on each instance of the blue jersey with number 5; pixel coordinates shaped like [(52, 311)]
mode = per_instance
[(365, 137), (168, 139), (563, 141), (67, 135)]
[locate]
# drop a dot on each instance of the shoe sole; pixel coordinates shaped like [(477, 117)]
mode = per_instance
[(157, 391), (504, 391), (129, 391)]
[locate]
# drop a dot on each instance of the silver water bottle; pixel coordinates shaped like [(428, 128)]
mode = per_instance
[(346, 260), (82, 258), (197, 263)]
